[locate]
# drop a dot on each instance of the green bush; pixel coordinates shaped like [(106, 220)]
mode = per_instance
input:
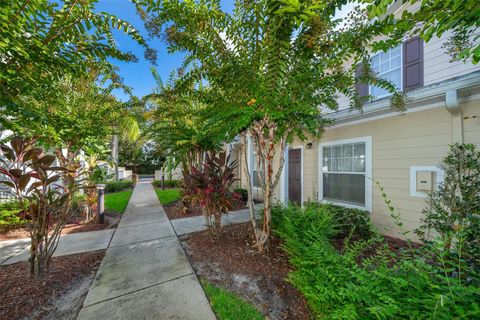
[(347, 220), (366, 280), (167, 183), (114, 186), (9, 214), (453, 210), (242, 192)]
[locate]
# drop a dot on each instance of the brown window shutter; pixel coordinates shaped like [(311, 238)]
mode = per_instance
[(361, 88), (412, 64)]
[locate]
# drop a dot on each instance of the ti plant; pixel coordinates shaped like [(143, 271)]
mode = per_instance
[(210, 188), (45, 194)]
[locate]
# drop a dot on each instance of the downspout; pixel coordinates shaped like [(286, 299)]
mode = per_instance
[(453, 106)]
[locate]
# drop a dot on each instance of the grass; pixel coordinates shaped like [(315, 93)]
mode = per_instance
[(117, 201), (228, 306), (167, 196)]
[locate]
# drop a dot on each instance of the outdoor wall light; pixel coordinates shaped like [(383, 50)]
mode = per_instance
[(309, 145)]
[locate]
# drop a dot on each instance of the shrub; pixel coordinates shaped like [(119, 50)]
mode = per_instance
[(242, 192), (367, 280), (453, 210), (45, 194), (167, 183), (347, 221), (209, 187), (10, 215), (114, 186)]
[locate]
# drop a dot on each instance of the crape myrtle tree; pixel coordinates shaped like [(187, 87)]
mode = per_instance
[(180, 122), (456, 18), (272, 67), (41, 41)]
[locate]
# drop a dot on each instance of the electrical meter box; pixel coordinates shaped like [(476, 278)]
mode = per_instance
[(425, 181)]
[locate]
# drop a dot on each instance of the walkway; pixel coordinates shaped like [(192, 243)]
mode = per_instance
[(145, 273), (12, 251), (194, 224)]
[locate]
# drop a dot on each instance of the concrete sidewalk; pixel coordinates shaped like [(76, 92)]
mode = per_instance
[(194, 224), (145, 273), (12, 251)]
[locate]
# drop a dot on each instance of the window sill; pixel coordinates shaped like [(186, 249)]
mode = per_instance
[(344, 204)]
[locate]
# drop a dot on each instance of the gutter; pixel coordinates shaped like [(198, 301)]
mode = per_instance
[(446, 93)]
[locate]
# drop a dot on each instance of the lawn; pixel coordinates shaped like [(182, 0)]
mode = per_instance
[(167, 196), (117, 201), (228, 306)]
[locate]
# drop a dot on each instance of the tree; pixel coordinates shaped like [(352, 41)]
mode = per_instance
[(272, 67), (438, 17), (41, 41), (180, 123)]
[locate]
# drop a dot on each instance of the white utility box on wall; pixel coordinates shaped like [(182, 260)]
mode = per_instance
[(424, 180)]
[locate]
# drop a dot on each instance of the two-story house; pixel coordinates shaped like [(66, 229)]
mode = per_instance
[(400, 150)]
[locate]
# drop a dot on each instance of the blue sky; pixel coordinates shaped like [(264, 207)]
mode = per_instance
[(138, 75)]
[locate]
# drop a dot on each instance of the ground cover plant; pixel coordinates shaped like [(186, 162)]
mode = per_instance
[(117, 201), (167, 183), (9, 215), (227, 305), (114, 186), (365, 278)]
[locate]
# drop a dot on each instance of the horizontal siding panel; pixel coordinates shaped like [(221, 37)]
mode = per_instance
[(437, 140)]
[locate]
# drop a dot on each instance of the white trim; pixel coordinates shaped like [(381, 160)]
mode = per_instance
[(250, 159), (413, 179), (368, 171), (301, 172), (283, 178), (388, 94), (430, 92), (388, 115)]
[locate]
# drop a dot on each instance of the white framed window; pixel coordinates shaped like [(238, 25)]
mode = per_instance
[(255, 181), (345, 172), (387, 66)]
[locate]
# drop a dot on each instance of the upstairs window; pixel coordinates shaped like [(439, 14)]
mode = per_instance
[(387, 66)]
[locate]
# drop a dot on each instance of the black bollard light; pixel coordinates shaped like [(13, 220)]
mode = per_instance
[(101, 203)]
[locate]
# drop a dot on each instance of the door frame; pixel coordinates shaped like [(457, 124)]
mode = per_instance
[(284, 181)]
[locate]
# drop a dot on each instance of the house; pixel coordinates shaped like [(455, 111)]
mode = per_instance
[(400, 150)]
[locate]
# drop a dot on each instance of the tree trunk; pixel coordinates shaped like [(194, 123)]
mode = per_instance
[(266, 150), (115, 154), (243, 142)]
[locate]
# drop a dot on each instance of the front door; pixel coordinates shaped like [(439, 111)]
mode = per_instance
[(295, 175)]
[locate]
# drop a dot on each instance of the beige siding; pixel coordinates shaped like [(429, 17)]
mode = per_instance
[(438, 65), (398, 142), (415, 139), (471, 125)]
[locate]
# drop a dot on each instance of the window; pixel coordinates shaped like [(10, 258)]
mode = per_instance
[(345, 168), (256, 184), (387, 66)]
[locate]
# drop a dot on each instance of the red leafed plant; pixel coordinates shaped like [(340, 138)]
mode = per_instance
[(210, 187), (44, 193)]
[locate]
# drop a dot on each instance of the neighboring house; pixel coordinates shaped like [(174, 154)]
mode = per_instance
[(400, 150)]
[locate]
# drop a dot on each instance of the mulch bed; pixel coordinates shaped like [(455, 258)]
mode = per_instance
[(59, 296), (74, 226), (232, 262)]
